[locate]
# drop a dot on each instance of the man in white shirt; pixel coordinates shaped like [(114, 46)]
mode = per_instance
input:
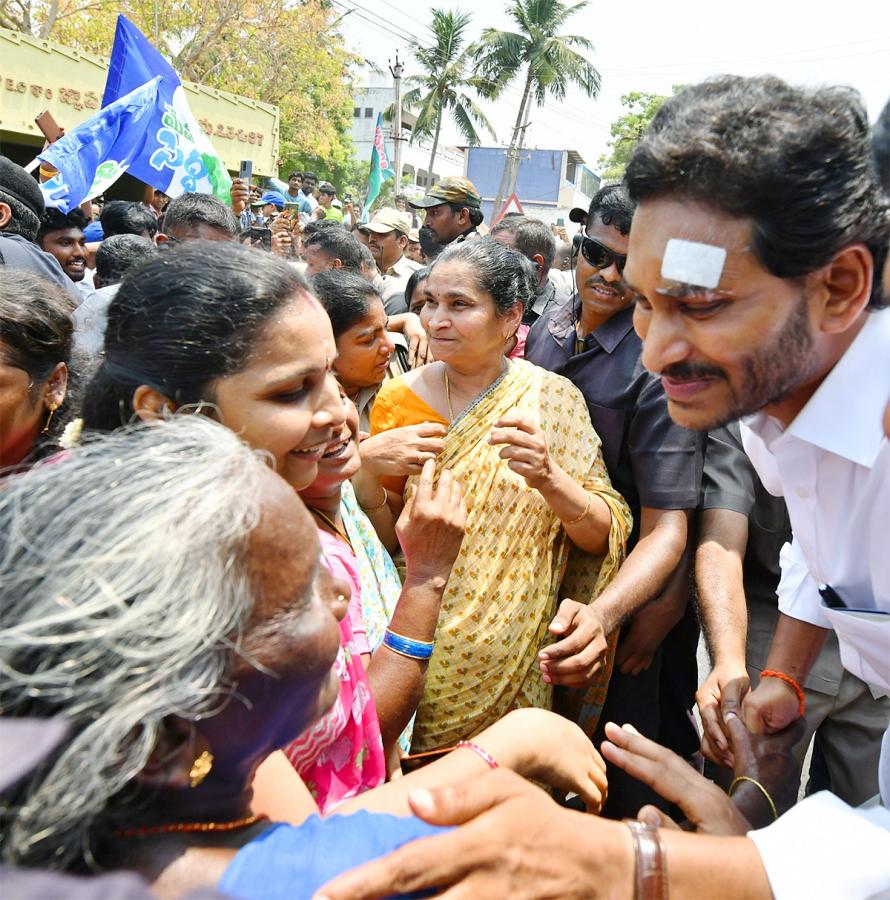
[(755, 255)]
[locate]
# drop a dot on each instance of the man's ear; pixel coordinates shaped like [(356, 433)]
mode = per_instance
[(336, 263), (5, 214), (177, 747), (844, 285), (403, 242), (161, 238), (150, 404)]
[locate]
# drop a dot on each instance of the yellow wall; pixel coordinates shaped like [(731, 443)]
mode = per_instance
[(36, 75)]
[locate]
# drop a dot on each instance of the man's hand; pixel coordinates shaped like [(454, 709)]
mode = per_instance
[(770, 707), (403, 451), (582, 652), (705, 805), (515, 842), (240, 195), (726, 684), (648, 629)]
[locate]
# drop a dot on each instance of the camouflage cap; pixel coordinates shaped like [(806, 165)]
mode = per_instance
[(450, 190)]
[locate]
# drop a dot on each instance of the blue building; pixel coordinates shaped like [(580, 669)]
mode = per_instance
[(549, 183)]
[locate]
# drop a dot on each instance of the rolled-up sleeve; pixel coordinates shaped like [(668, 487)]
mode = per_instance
[(798, 592), (824, 848)]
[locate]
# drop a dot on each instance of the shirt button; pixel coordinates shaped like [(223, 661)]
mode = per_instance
[(802, 492)]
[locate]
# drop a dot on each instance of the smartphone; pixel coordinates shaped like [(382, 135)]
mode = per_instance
[(50, 128), (245, 173), (261, 237), (560, 223)]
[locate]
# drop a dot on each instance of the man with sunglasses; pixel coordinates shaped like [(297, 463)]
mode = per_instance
[(656, 465)]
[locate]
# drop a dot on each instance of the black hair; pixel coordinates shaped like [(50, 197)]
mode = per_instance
[(477, 217), (295, 175), (337, 243), (503, 273), (532, 236), (413, 280), (115, 256), (793, 160), (327, 188), (127, 217), (311, 175), (613, 206), (880, 148), (345, 297), (55, 220), (193, 210), (35, 335), (315, 225), (23, 221), (184, 320)]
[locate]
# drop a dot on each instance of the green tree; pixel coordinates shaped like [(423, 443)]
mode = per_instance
[(547, 60), (276, 51), (446, 82), (626, 130)]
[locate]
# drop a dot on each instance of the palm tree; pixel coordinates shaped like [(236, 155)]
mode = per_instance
[(448, 74), (550, 62)]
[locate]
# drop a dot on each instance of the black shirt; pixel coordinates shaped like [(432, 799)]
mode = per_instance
[(652, 461)]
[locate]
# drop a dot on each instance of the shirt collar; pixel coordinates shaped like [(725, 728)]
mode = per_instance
[(609, 335), (844, 415)]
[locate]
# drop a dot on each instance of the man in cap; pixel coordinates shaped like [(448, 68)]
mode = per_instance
[(453, 211), (388, 238), (21, 206), (413, 251), (267, 207)]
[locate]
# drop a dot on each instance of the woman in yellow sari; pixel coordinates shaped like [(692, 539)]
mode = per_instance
[(541, 507)]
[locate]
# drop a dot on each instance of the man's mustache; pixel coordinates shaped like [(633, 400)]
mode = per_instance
[(691, 372)]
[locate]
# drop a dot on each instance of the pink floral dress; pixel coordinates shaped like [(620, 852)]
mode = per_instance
[(341, 755)]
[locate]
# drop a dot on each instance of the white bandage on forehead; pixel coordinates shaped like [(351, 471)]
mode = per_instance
[(693, 263)]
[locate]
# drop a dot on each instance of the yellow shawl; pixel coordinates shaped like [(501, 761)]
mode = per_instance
[(503, 587)]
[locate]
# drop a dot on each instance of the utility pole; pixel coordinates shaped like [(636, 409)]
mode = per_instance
[(396, 72)]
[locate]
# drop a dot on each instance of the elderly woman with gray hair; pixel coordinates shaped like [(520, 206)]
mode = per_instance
[(163, 593), (520, 443)]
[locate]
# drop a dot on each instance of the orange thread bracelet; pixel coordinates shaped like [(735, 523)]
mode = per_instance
[(792, 683)]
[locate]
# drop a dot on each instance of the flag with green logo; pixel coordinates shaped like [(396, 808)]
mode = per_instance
[(381, 168)]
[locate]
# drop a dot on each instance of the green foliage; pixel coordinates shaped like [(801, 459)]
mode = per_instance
[(447, 83), (627, 129)]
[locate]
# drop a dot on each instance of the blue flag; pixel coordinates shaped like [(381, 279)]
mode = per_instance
[(178, 156), (91, 157)]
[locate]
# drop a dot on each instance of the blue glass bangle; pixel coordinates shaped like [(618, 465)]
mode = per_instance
[(406, 647)]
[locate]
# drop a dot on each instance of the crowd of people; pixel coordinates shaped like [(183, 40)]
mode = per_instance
[(310, 523)]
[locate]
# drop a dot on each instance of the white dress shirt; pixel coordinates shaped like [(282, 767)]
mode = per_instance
[(832, 465)]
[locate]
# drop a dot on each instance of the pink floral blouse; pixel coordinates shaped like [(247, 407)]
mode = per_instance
[(341, 755)]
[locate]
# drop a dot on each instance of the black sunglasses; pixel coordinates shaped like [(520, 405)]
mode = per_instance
[(600, 256)]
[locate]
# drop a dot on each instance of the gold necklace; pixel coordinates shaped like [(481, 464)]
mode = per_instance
[(333, 526), (448, 395)]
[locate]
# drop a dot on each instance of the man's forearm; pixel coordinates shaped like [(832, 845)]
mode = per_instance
[(795, 646), (722, 607), (646, 571)]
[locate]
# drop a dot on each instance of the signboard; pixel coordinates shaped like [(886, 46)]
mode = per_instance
[(511, 206), (37, 74)]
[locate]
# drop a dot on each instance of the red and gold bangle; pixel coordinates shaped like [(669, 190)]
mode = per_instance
[(792, 683), (481, 752)]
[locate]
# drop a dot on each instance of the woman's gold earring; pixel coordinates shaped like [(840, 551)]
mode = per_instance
[(200, 768), (49, 418)]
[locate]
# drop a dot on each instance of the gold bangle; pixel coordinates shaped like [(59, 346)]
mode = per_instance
[(379, 505), (48, 173), (763, 790), (584, 513)]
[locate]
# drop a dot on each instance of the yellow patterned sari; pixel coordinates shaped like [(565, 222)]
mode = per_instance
[(503, 587)]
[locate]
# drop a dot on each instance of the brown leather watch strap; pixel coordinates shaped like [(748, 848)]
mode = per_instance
[(650, 882)]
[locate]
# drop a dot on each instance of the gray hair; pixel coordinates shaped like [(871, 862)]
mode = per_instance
[(123, 572), (533, 237), (24, 221), (505, 274)]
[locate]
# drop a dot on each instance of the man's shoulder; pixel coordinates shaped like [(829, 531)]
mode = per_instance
[(18, 252)]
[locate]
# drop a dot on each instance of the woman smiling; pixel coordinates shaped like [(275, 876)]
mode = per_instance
[(519, 441)]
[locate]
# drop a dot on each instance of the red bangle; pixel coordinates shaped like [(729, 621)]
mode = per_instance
[(792, 683), (487, 758)]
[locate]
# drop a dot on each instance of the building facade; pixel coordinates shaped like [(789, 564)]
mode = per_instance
[(549, 182), (38, 75), (374, 94)]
